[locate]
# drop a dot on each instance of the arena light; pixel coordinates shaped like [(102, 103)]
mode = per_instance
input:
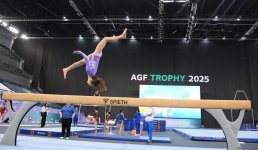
[(80, 37), (13, 30), (150, 18), (4, 24), (127, 18), (151, 37), (96, 37), (168, 1), (243, 38), (105, 18), (65, 19), (224, 38), (24, 36), (132, 37)]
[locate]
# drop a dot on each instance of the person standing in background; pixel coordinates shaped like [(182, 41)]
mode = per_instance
[(108, 117), (96, 118), (120, 120), (66, 115), (149, 117), (137, 121), (44, 111), (3, 111), (76, 116)]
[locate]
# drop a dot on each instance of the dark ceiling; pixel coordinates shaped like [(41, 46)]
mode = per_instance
[(44, 18)]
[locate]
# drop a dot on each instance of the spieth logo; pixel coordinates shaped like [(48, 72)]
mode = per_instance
[(115, 102), (41, 133), (106, 100)]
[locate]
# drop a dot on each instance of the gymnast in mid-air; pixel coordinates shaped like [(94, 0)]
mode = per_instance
[(92, 62)]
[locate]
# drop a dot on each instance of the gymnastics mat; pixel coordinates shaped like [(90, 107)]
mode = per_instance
[(216, 135), (40, 143), (56, 132), (126, 138)]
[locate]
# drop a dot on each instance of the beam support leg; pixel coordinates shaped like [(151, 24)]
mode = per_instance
[(11, 133), (229, 128)]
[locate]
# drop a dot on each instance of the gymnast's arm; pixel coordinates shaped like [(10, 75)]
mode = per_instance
[(83, 55)]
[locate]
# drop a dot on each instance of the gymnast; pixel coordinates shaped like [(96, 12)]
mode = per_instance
[(96, 118), (92, 62), (120, 120)]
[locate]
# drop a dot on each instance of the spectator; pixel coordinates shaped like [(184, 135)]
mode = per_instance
[(76, 116), (137, 121), (149, 117), (3, 111), (120, 120), (44, 112), (66, 115)]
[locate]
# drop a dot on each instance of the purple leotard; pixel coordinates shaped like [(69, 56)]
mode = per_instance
[(91, 64)]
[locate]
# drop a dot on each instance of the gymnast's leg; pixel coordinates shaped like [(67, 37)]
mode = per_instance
[(104, 41), (75, 65)]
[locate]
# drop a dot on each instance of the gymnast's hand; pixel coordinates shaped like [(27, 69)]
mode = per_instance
[(77, 52)]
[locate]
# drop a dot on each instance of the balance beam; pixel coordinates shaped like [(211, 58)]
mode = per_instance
[(214, 107), (126, 101)]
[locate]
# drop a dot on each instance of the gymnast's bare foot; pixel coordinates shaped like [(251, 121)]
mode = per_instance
[(65, 72), (124, 33)]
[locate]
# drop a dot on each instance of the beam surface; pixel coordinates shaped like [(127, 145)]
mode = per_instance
[(127, 101)]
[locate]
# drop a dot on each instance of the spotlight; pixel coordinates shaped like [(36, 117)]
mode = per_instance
[(151, 37), (65, 19), (150, 18), (96, 37), (13, 30), (216, 18), (224, 38), (243, 38), (127, 18), (132, 37), (80, 37), (105, 18), (24, 36), (4, 24)]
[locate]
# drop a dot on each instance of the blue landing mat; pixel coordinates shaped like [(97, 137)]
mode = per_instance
[(126, 138), (56, 132), (39, 143), (216, 135)]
